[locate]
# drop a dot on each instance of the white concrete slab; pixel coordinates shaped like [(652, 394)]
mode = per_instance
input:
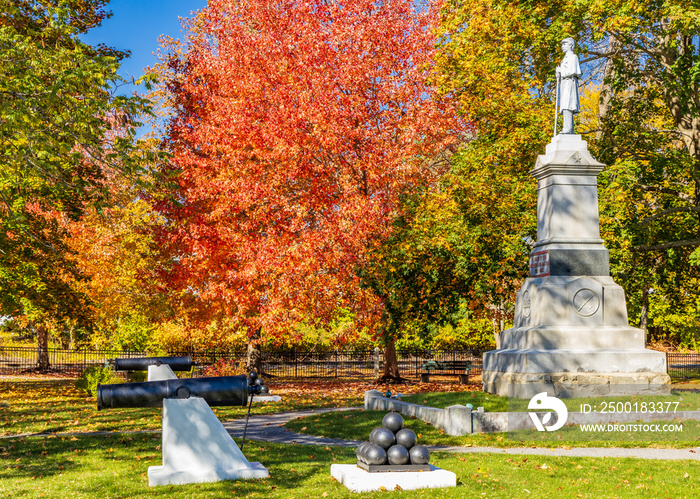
[(163, 475), (266, 398), (358, 480)]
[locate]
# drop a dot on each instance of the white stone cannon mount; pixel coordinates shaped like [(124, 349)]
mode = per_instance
[(571, 336), (196, 447)]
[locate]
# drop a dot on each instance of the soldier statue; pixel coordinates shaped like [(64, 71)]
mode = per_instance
[(568, 73)]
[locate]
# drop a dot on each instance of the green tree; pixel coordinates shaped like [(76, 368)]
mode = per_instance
[(498, 59), (492, 63), (61, 130)]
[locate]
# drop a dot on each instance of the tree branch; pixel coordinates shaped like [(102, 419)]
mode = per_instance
[(680, 209), (674, 244), (666, 190)]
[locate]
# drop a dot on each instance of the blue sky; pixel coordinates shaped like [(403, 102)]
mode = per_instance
[(136, 25)]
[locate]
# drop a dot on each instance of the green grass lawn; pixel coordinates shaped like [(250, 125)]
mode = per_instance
[(490, 403), (53, 406), (357, 425), (688, 400), (116, 466)]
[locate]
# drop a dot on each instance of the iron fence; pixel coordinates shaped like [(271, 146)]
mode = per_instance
[(16, 360), (294, 364), (683, 365)]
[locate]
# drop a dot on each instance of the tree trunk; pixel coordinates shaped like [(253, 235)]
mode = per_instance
[(501, 317), (253, 355), (43, 348), (644, 316), (391, 365), (496, 332)]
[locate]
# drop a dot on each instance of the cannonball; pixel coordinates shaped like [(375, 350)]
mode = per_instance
[(392, 421), (375, 455), (384, 438), (397, 454), (406, 437), (365, 446), (252, 377), (373, 433), (264, 389), (360, 451), (419, 455)]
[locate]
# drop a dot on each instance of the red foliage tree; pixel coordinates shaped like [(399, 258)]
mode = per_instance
[(297, 125)]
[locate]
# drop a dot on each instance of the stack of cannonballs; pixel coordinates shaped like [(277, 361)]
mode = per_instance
[(254, 380), (392, 446)]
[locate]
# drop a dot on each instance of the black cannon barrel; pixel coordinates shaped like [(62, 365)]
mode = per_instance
[(183, 363), (222, 390)]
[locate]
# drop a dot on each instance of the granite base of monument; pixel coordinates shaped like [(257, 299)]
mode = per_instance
[(359, 480), (574, 385), (571, 336)]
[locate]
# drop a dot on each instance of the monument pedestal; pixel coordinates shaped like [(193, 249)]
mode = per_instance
[(571, 336), (525, 373)]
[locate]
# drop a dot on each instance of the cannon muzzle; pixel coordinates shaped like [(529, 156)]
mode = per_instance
[(217, 391), (183, 363)]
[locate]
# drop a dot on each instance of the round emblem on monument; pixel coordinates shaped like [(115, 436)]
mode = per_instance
[(527, 304), (586, 302)]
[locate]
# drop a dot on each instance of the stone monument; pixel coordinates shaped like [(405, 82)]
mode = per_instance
[(571, 336)]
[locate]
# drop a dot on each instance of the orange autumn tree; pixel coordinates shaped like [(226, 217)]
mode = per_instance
[(297, 125), (114, 249)]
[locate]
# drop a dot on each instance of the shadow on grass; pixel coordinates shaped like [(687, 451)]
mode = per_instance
[(118, 464), (57, 406)]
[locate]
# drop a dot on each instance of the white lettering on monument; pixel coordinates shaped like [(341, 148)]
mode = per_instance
[(539, 264)]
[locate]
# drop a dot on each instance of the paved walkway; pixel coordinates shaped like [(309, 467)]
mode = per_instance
[(268, 428)]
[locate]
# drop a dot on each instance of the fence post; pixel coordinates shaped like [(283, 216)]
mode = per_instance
[(376, 362)]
